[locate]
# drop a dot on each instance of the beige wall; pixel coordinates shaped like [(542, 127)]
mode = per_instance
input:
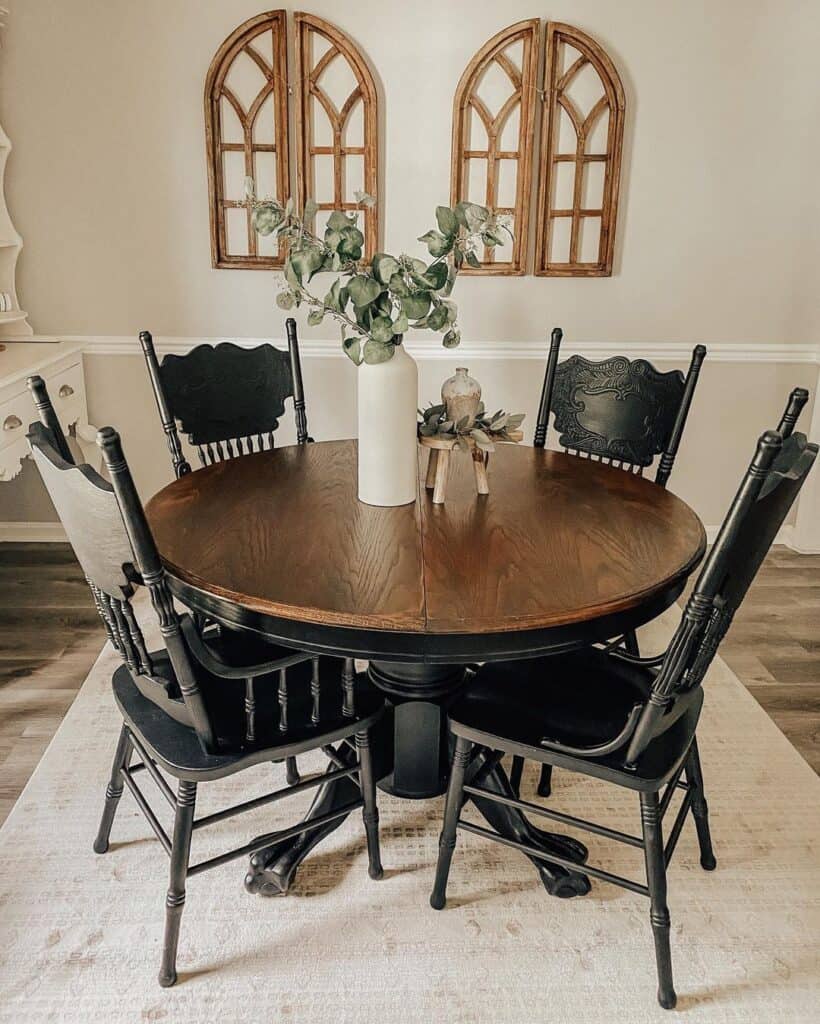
[(718, 234), (107, 182)]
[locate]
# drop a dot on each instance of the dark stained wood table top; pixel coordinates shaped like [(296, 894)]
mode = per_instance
[(558, 540)]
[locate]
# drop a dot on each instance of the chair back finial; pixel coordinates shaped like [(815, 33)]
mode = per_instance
[(48, 417), (667, 460), (791, 414)]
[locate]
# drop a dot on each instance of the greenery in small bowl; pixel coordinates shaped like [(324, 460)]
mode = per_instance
[(483, 429), (375, 301)]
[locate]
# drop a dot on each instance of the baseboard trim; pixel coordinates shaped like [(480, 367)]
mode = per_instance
[(36, 533), (428, 347)]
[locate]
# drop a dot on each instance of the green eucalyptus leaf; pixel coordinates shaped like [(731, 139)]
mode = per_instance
[(381, 329), (337, 221), (285, 300), (415, 306), (451, 339), (385, 267), (401, 323), (471, 215), (433, 410), (333, 239), (315, 317), (452, 274), (351, 243), (446, 220), (437, 243), (363, 199), (306, 261), (491, 238), (310, 210), (452, 310), (398, 286), (332, 297), (437, 319), (479, 435), (291, 275), (266, 218), (363, 290), (472, 259), (250, 188), (353, 349), (437, 274), (377, 352), (414, 265)]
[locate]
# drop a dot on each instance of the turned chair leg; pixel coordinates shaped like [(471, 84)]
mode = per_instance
[(545, 781), (516, 771), (175, 900), (291, 771), (113, 791), (370, 811), (700, 809), (452, 808), (656, 881)]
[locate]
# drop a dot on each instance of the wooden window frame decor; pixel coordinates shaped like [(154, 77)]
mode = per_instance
[(468, 104), (310, 92), (238, 42), (556, 100)]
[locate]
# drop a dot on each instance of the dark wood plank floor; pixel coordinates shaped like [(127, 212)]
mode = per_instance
[(50, 636)]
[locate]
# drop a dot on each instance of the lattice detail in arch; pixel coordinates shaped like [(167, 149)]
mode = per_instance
[(246, 123), (581, 143), (336, 123), (493, 121)]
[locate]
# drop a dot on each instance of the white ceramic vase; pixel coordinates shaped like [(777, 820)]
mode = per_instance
[(388, 456)]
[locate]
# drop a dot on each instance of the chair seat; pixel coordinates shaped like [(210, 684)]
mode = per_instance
[(580, 699), (176, 747)]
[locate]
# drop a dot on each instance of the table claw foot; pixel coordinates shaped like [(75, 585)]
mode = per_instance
[(511, 823), (272, 870)]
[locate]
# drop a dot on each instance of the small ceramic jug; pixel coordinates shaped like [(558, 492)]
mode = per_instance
[(461, 395)]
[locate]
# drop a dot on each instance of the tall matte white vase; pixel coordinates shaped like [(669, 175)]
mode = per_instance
[(388, 456)]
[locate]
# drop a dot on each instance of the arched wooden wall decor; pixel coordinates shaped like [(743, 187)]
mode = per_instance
[(336, 122), (493, 121), (246, 130), (581, 140)]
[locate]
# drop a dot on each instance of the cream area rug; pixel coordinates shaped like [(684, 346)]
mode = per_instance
[(80, 934)]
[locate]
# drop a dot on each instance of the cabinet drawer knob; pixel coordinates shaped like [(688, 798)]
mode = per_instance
[(12, 422), (66, 391)]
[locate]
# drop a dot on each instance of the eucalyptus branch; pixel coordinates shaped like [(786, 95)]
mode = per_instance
[(388, 294)]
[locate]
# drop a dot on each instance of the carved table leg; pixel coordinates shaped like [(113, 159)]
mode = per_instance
[(410, 752), (272, 870), (512, 824)]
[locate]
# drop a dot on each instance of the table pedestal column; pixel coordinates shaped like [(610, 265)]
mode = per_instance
[(411, 759)]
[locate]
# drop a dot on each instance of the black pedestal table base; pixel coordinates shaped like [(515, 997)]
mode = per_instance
[(411, 756)]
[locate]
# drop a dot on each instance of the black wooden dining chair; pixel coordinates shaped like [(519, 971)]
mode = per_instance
[(228, 400), (618, 411), (622, 719), (185, 712)]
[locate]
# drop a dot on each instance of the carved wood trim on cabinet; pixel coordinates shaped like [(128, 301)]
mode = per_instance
[(312, 100), (558, 80), (467, 106), (245, 46)]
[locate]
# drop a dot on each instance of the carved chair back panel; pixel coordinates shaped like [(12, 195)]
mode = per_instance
[(224, 392), (616, 409), (88, 510)]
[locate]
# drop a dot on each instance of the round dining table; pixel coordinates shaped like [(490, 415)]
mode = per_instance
[(563, 552)]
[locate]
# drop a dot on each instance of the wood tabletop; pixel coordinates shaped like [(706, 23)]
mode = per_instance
[(558, 540)]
